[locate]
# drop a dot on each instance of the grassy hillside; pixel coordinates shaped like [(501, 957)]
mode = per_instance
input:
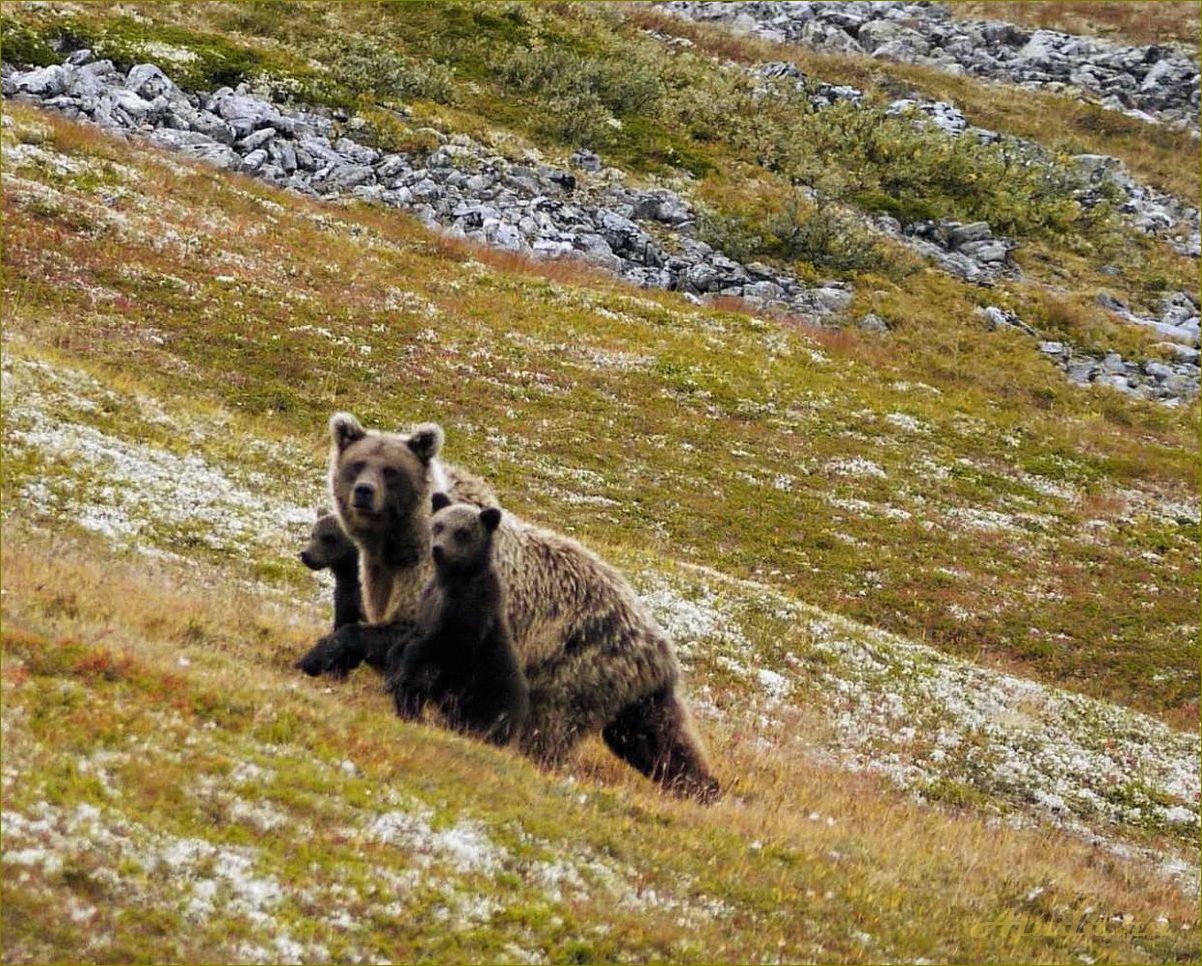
[(937, 608), (826, 460), (173, 793)]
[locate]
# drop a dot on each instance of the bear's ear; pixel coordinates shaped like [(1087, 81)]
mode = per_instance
[(345, 429), (439, 500), (426, 440), (491, 518)]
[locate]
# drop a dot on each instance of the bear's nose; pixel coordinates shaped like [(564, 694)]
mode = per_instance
[(438, 553), (363, 495), (307, 560)]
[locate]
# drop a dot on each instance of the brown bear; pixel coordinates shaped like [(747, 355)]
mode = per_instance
[(594, 657), (463, 659), (329, 547), (372, 641)]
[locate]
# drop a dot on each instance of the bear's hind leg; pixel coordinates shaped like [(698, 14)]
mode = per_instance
[(655, 735)]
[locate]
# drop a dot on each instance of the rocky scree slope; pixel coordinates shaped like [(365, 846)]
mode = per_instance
[(972, 252), (592, 213), (1153, 83), (589, 213)]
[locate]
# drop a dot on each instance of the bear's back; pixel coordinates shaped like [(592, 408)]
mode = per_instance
[(554, 585)]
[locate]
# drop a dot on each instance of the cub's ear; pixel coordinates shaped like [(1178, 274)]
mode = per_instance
[(426, 440), (345, 429), (439, 500), (491, 518)]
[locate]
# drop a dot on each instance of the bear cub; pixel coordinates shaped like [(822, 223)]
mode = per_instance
[(463, 659), (330, 547)]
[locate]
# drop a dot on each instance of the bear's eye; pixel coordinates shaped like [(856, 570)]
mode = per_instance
[(355, 468), (391, 474), (328, 540), (438, 528), (462, 535)]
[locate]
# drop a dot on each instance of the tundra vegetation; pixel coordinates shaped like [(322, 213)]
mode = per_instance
[(937, 607)]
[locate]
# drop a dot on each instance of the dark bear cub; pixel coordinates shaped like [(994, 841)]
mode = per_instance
[(329, 546), (463, 659)]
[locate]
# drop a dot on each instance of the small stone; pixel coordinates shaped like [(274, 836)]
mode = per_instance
[(256, 139), (976, 231), (391, 166), (586, 161), (148, 81), (198, 146), (358, 153), (283, 154), (986, 251), (254, 161), (44, 81)]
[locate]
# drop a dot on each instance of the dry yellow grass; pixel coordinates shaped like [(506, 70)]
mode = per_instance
[(1125, 21), (957, 884)]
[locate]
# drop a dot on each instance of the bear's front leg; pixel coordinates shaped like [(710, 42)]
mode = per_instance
[(384, 644), (338, 653), (379, 645)]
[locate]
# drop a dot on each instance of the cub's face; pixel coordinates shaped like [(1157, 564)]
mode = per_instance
[(461, 536), (328, 544), (379, 479)]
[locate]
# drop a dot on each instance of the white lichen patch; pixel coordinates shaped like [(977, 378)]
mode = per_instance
[(928, 721), (134, 493), (157, 50), (203, 881), (24, 154), (856, 466), (464, 847), (905, 422)]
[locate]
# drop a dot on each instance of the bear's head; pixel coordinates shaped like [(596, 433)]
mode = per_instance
[(329, 545), (461, 536), (380, 481)]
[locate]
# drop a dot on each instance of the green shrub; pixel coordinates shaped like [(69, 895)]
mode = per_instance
[(580, 95), (623, 86), (23, 46), (821, 234), (364, 66)]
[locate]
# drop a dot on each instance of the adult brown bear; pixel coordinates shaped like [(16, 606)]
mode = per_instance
[(593, 655)]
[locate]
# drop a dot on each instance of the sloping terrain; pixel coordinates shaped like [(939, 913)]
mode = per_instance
[(937, 606)]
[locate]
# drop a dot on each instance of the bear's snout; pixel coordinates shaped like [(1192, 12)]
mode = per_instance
[(438, 553), (363, 496), (308, 561)]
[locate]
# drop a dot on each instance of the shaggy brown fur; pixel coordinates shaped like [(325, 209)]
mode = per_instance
[(594, 657), (464, 660), (379, 642)]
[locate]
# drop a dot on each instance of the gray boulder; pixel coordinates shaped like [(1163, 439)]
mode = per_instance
[(827, 36), (149, 82), (877, 33), (198, 146), (44, 81)]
